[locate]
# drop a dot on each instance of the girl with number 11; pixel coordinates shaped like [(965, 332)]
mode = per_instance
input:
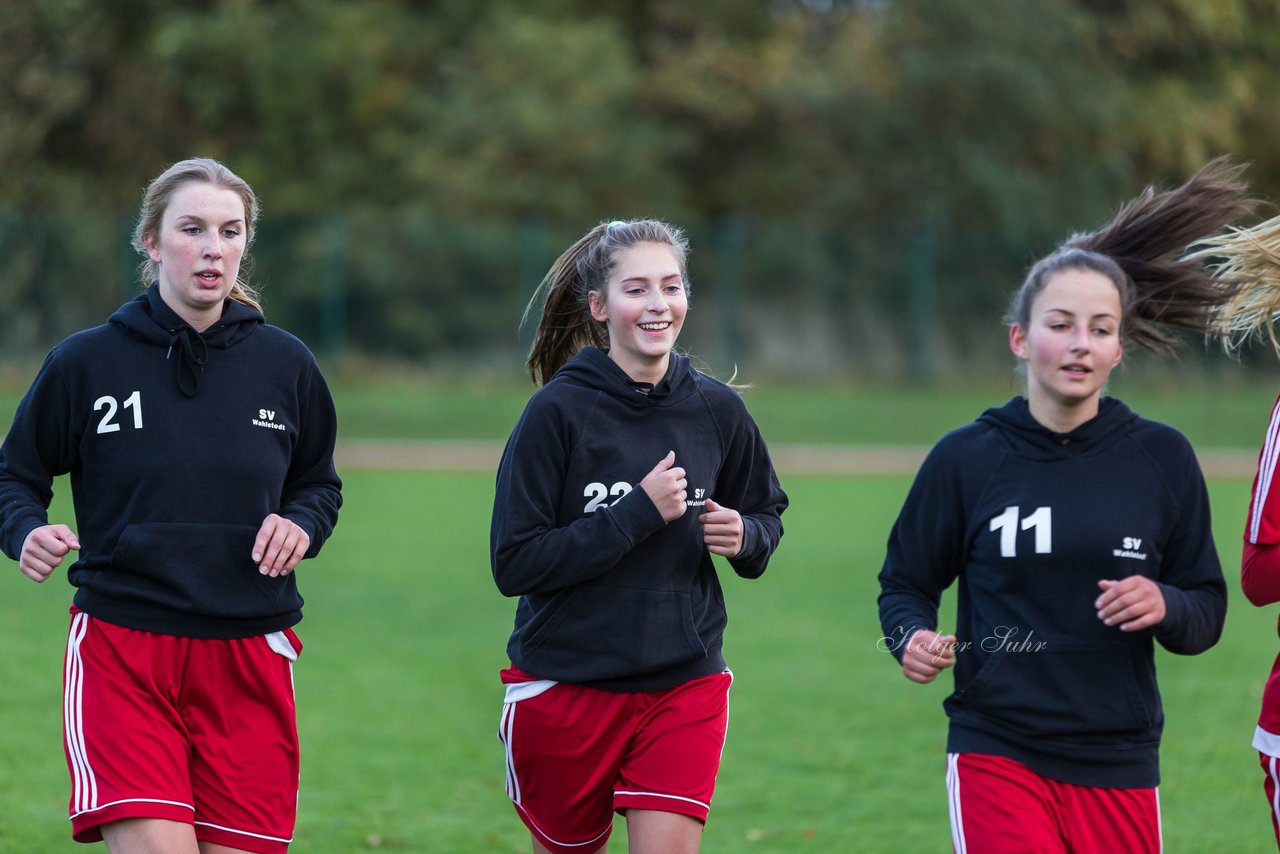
[(1078, 535)]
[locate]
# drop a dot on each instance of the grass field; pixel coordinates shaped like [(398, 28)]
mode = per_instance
[(1227, 412), (830, 749), (1215, 412)]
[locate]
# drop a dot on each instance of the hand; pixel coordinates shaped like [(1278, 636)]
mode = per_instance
[(665, 486), (280, 545), (43, 550), (1132, 603), (721, 529), (928, 654)]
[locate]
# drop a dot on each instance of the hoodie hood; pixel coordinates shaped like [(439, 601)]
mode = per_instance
[(1030, 439), (147, 318), (593, 368)]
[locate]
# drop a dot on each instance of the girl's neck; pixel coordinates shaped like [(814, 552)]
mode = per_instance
[(1061, 417), (651, 373), (197, 319)]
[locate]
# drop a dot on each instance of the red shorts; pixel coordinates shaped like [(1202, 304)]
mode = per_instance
[(999, 806), (575, 755), (184, 729), (1271, 787)]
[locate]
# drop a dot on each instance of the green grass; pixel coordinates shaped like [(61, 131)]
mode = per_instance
[(830, 750), (1228, 412), (1214, 413)]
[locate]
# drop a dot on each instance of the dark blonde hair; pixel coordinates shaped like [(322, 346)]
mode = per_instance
[(566, 324), (1144, 252), (155, 200)]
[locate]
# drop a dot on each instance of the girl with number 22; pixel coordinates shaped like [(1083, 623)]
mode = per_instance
[(627, 471)]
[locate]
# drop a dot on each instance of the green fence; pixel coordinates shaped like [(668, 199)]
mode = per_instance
[(789, 299)]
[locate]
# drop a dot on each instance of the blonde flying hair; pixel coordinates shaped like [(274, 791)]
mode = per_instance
[(156, 198), (1144, 252), (1250, 255), (566, 325)]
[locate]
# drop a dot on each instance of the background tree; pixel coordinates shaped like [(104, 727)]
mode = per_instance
[(864, 166)]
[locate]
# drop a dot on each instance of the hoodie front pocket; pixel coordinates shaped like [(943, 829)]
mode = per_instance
[(196, 567), (604, 632), (1064, 689)]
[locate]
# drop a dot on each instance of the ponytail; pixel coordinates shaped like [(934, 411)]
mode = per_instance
[(1143, 250)]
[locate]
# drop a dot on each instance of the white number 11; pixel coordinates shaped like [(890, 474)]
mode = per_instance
[(1007, 524)]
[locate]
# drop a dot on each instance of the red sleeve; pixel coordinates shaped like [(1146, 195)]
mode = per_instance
[(1260, 573), (1263, 526)]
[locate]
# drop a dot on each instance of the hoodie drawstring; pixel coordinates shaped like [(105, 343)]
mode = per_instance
[(643, 388), (188, 363)]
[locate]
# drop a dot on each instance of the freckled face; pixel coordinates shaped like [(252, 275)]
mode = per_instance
[(643, 306), (197, 250), (1072, 341)]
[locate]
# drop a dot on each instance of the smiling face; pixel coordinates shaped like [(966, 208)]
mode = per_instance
[(1070, 346), (643, 306), (197, 250)]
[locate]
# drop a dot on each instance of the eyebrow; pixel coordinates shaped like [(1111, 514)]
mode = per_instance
[(1069, 313), (668, 278), (199, 219)]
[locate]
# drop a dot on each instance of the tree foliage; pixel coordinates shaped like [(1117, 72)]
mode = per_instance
[(869, 122)]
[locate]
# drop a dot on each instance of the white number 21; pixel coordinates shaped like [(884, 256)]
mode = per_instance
[(1007, 524), (107, 402)]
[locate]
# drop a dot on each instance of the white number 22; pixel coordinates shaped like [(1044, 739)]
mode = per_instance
[(599, 493), (107, 402), (1007, 524)]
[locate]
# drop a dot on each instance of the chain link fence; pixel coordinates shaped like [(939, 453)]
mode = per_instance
[(784, 299)]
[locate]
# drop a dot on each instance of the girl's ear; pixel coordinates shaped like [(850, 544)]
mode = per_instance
[(1018, 342), (595, 301), (153, 251)]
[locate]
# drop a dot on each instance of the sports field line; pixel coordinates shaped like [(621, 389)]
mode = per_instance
[(836, 460)]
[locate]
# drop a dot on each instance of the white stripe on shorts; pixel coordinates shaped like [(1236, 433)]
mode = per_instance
[(515, 692), (243, 832), (953, 802), (504, 735), (134, 801), (1275, 788), (84, 784), (1159, 819), (660, 795)]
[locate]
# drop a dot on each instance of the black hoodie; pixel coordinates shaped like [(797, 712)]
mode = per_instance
[(179, 444), (1029, 521), (610, 596)]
